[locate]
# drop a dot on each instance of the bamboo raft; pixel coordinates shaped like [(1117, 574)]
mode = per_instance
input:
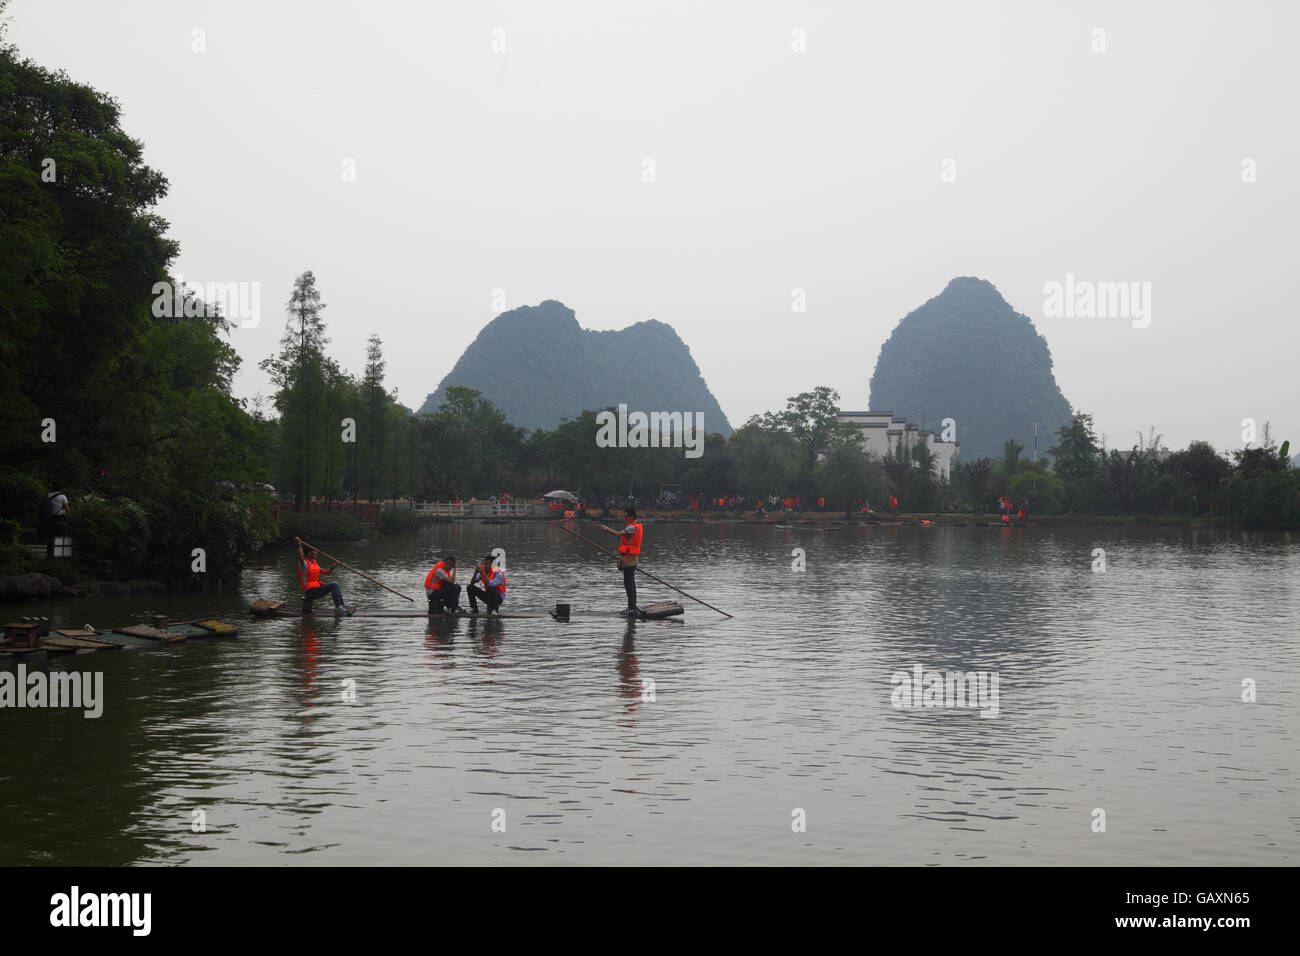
[(265, 608), (33, 636), (283, 609)]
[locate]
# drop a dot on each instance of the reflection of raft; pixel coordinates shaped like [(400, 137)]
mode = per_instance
[(265, 608), (33, 637)]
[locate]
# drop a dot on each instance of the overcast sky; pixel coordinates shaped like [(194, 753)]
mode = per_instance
[(774, 169)]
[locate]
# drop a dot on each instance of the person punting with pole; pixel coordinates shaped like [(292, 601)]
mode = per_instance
[(629, 550), (309, 572)]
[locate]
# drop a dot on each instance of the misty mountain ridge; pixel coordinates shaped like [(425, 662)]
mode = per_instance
[(968, 355), (539, 366)]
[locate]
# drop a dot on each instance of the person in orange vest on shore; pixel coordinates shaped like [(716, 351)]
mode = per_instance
[(893, 503), (309, 573), (493, 591), (821, 504), (441, 587), (629, 550)]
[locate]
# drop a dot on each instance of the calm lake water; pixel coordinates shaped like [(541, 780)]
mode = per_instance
[(1118, 691)]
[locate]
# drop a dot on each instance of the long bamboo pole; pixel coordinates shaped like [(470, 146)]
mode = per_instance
[(352, 569), (645, 572)]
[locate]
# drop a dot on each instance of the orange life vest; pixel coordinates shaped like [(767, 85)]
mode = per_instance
[(431, 582), (313, 575), (485, 571), (631, 545)]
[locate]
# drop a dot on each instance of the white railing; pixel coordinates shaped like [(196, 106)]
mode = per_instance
[(448, 509), (476, 509)]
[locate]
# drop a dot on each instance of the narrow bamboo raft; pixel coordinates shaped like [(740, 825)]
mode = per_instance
[(267, 608), (33, 637)]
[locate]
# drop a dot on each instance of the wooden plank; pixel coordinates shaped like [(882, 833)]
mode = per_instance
[(201, 629), (78, 642), (150, 633)]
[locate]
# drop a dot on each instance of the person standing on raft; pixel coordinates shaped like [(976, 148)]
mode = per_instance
[(629, 548), (309, 573), (441, 587), (493, 591)]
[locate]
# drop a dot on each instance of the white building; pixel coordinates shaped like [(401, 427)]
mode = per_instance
[(882, 432)]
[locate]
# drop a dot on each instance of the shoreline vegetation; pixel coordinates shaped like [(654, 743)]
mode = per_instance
[(119, 395)]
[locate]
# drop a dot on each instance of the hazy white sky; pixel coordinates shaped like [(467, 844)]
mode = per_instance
[(523, 170)]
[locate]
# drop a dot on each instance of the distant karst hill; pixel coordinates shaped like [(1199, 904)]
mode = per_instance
[(967, 355), (539, 366)]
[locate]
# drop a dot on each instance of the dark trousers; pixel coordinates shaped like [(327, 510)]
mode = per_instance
[(56, 527), (629, 585), (491, 598), (321, 590), (445, 598)]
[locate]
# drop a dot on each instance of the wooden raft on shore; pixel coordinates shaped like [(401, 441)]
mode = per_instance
[(33, 637)]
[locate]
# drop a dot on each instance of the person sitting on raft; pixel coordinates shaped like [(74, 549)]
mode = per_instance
[(309, 573), (441, 587), (493, 591)]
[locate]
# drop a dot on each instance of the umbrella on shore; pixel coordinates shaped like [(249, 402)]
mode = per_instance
[(566, 495)]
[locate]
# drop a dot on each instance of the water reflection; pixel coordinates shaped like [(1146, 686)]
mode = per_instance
[(630, 687), (1117, 689)]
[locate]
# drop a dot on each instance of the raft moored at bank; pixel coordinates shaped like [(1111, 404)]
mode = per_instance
[(33, 636)]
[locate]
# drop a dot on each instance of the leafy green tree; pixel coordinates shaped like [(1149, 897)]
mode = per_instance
[(299, 372), (1036, 489), (847, 471), (376, 398), (767, 457), (910, 468), (811, 419), (1077, 462), (132, 371), (1011, 450), (972, 480), (1199, 474), (1264, 491)]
